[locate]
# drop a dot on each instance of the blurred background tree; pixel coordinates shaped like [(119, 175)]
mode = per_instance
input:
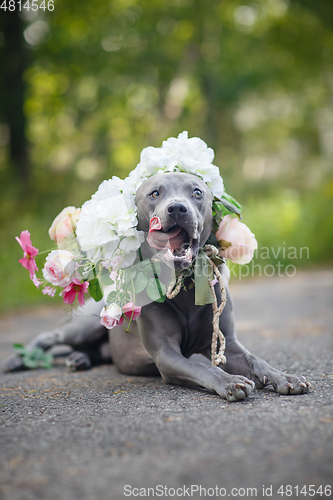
[(86, 86)]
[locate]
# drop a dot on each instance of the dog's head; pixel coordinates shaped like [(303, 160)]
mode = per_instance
[(176, 211)]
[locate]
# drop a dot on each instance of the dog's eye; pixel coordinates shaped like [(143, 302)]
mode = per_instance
[(197, 193), (155, 194)]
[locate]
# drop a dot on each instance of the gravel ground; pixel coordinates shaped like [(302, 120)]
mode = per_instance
[(98, 435)]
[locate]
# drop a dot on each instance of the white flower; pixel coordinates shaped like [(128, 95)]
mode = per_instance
[(215, 184), (105, 220), (109, 188), (94, 227), (113, 311), (64, 224), (111, 316), (132, 241), (180, 154), (128, 259), (59, 268), (108, 222), (122, 211), (134, 180)]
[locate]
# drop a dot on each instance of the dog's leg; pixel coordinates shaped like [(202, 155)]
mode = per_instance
[(82, 332), (44, 341), (160, 332), (128, 353), (241, 361)]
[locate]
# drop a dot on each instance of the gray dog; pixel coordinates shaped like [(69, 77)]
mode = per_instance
[(166, 335)]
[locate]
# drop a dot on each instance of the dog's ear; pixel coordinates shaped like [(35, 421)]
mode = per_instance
[(143, 209)]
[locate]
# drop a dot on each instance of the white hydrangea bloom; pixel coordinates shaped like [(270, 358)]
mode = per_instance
[(132, 240), (179, 154), (109, 188)]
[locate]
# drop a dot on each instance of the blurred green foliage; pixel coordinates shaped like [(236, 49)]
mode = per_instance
[(105, 79)]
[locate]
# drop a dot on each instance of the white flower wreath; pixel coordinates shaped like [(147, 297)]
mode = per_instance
[(107, 225)]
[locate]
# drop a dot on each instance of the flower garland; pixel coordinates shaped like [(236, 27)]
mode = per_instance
[(98, 245)]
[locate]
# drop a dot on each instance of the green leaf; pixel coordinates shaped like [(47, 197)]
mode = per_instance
[(229, 208), (19, 348), (34, 358), (153, 269), (95, 290), (224, 244), (47, 362), (156, 290), (224, 206), (142, 265), (218, 260), (105, 279), (203, 272), (161, 299), (129, 275), (29, 362), (212, 240), (140, 281), (112, 297), (36, 354), (231, 200)]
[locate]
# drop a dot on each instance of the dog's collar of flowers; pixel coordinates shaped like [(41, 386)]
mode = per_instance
[(107, 225)]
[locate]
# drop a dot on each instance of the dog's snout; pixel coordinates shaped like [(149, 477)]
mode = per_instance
[(177, 210)]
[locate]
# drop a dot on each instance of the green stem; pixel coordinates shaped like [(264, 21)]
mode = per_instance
[(130, 320), (156, 279)]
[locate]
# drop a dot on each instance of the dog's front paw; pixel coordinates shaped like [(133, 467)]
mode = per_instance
[(236, 388), (77, 361), (265, 375), (284, 383), (13, 364)]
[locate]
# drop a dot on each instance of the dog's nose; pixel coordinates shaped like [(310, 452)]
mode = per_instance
[(177, 210)]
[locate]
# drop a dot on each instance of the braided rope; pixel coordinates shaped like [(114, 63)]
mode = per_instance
[(174, 288), (217, 356)]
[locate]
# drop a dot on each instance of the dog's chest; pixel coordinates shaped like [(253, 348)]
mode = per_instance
[(195, 322)]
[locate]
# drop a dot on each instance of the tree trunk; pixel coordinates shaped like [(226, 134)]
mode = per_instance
[(14, 60)]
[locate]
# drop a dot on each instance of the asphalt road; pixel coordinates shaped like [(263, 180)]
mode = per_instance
[(98, 435)]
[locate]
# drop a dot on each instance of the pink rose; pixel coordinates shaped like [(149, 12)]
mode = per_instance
[(59, 268), (131, 311), (111, 316), (236, 241), (64, 224)]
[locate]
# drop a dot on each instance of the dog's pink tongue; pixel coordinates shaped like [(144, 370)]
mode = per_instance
[(155, 224), (159, 240)]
